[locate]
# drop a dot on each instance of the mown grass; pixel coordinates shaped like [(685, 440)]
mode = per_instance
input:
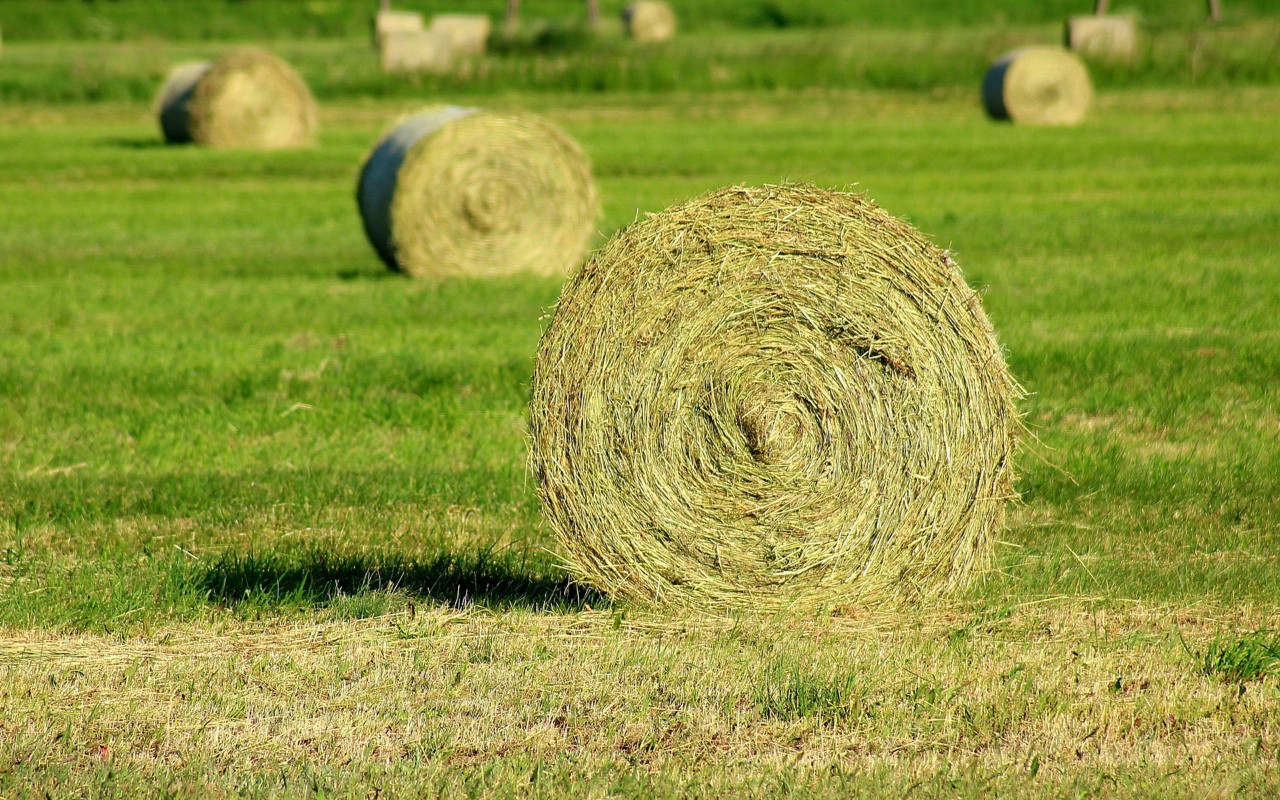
[(266, 527)]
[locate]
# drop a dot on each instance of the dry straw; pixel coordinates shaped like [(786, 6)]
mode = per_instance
[(649, 21), (458, 191), (1038, 86), (776, 397), (247, 99)]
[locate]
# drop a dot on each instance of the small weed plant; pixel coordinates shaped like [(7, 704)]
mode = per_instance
[(1237, 659)]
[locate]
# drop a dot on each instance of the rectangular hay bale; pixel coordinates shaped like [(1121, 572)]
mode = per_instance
[(416, 51), (1102, 37), (386, 23), (467, 33)]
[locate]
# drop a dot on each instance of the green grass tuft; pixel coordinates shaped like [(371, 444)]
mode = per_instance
[(787, 690), (1239, 658)]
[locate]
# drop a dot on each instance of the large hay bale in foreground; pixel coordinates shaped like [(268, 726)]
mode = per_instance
[(772, 397), (246, 99), (649, 21), (1102, 37), (1038, 86), (459, 191)]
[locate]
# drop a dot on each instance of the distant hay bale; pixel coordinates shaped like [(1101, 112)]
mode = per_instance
[(246, 99), (649, 21), (451, 39), (467, 33), (389, 22), (1102, 37), (767, 398), (459, 191), (416, 51), (1038, 86)]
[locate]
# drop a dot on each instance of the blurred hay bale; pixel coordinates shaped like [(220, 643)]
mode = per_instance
[(459, 191), (467, 33), (649, 21), (248, 98), (767, 398), (450, 40), (386, 23), (416, 51), (1102, 37), (1038, 86)]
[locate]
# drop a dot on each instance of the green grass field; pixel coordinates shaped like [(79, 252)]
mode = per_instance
[(266, 527)]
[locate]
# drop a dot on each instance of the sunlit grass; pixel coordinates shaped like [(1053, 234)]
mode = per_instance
[(266, 527)]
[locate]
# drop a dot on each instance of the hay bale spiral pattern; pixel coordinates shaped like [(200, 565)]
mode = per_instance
[(459, 191), (1038, 86), (248, 99), (772, 397)]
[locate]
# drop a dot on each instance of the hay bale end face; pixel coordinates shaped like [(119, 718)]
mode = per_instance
[(1102, 37), (1038, 86), (768, 398), (459, 191), (248, 99), (649, 21)]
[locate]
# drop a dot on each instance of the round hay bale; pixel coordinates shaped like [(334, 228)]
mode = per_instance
[(247, 99), (1038, 86), (460, 191), (649, 21), (768, 398)]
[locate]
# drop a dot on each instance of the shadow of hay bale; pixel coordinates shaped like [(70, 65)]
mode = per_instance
[(318, 578)]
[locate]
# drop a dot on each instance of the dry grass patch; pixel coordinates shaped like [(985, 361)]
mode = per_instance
[(1071, 687)]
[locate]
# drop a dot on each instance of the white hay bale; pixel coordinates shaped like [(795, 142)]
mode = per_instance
[(389, 22), (450, 40), (467, 33), (1038, 86), (649, 21), (1102, 37), (460, 191), (416, 51)]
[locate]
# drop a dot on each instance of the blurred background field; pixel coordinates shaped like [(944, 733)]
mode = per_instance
[(121, 50), (226, 428), (106, 20)]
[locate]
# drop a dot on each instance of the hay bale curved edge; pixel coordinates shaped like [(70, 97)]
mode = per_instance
[(249, 98), (461, 191), (174, 99), (768, 398), (1038, 86)]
